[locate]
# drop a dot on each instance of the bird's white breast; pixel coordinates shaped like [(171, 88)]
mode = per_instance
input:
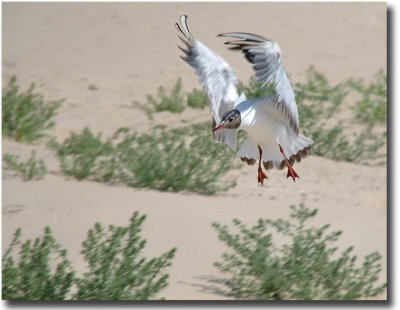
[(262, 127)]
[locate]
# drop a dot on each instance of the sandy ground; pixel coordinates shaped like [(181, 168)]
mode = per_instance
[(127, 51)]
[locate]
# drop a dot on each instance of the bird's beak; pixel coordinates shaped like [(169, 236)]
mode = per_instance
[(218, 127)]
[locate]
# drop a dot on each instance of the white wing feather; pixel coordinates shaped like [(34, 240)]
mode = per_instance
[(217, 78), (265, 55)]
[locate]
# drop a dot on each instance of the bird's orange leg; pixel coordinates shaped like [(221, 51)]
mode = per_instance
[(261, 175), (291, 173)]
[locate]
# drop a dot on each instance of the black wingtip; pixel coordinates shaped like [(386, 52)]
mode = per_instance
[(183, 50), (180, 29), (235, 48), (184, 28)]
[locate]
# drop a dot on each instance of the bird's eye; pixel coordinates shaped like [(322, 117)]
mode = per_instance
[(231, 119)]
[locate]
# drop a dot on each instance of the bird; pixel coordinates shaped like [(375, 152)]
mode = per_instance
[(271, 121)]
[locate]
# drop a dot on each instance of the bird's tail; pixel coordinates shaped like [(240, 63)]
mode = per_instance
[(271, 156)]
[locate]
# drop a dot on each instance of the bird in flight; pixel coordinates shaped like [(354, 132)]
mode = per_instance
[(271, 121)]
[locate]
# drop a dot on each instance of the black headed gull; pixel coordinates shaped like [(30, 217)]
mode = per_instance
[(272, 121)]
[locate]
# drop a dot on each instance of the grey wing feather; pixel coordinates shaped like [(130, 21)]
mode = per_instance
[(266, 57), (216, 76)]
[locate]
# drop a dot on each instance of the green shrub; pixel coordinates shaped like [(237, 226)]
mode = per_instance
[(41, 272), (173, 102), (197, 99), (79, 153), (371, 108), (307, 266), (254, 89), (361, 147), (117, 269), (31, 170), (163, 160), (182, 159), (318, 102), (26, 116)]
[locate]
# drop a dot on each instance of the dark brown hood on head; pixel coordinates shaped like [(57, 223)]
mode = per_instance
[(230, 119)]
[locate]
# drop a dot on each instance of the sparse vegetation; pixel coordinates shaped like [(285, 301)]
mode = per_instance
[(26, 115), (186, 158), (371, 108), (41, 271), (176, 101), (306, 266), (168, 160), (79, 153), (197, 99), (318, 103), (32, 169), (173, 102), (117, 269), (254, 89)]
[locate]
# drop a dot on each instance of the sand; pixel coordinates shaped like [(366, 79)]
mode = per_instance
[(126, 51)]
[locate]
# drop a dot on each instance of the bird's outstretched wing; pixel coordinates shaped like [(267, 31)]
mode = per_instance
[(266, 57), (217, 78)]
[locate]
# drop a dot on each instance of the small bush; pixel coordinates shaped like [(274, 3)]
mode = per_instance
[(173, 102), (371, 108), (361, 147), (167, 160), (318, 102), (33, 169), (117, 269), (254, 89), (305, 267), (26, 116), (163, 160), (80, 152), (41, 272), (197, 99)]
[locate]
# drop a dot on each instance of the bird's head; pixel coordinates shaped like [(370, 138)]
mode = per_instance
[(230, 119)]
